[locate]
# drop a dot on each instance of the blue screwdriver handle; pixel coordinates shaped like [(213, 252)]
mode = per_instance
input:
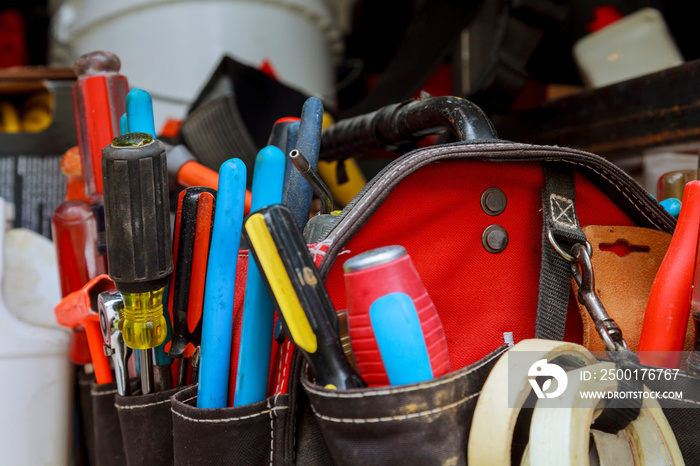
[(399, 336), (672, 206), (139, 112), (217, 312), (292, 136), (308, 143), (123, 124), (258, 310)]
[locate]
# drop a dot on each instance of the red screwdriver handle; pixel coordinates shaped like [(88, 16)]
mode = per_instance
[(367, 281), (668, 307)]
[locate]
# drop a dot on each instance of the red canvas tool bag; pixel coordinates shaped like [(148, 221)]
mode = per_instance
[(452, 206), (481, 220)]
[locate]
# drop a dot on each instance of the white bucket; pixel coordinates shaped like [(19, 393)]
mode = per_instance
[(170, 48), (36, 386)]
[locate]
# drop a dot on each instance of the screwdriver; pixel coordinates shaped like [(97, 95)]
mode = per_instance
[(378, 283), (99, 98), (183, 168), (193, 224), (139, 112), (139, 119), (669, 304), (255, 344), (297, 192), (74, 230), (217, 313), (139, 246), (299, 295)]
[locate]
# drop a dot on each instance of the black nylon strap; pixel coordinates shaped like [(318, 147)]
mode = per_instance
[(559, 217), (622, 411)]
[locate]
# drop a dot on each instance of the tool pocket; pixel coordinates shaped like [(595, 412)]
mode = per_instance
[(252, 434), (107, 431), (424, 423), (146, 422), (86, 419)]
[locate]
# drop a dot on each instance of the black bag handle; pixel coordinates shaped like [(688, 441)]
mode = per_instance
[(398, 125)]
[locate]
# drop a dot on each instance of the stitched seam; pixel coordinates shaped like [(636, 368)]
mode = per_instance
[(403, 417), (560, 211), (272, 432), (142, 406), (637, 199), (110, 392), (333, 394), (336, 234), (189, 399), (214, 421)]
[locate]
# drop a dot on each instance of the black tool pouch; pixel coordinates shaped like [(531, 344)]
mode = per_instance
[(421, 424), (109, 448), (147, 425), (84, 385), (253, 434)]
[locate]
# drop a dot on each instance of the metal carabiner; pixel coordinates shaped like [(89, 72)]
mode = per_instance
[(582, 271)]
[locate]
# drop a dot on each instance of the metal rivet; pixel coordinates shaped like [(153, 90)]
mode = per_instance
[(494, 239), (493, 201)]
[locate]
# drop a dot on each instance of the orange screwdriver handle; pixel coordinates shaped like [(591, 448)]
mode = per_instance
[(78, 310), (666, 316), (193, 173)]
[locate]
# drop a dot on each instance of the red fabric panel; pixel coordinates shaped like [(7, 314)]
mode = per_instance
[(436, 215)]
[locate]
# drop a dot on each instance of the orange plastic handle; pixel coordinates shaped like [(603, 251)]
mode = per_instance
[(199, 265), (76, 310), (193, 173), (668, 307), (103, 373)]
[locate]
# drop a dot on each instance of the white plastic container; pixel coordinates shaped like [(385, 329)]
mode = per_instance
[(633, 46), (36, 385), (171, 48)]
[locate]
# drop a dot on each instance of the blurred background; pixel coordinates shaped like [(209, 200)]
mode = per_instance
[(355, 55), (617, 78)]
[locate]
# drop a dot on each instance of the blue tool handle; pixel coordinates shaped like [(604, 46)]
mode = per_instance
[(400, 339), (258, 310), (123, 124), (672, 206), (308, 143), (139, 112), (292, 136), (217, 312)]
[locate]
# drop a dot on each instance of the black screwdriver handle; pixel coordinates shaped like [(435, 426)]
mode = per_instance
[(137, 213), (186, 231)]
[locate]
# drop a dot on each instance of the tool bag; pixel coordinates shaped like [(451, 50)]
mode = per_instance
[(478, 218)]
